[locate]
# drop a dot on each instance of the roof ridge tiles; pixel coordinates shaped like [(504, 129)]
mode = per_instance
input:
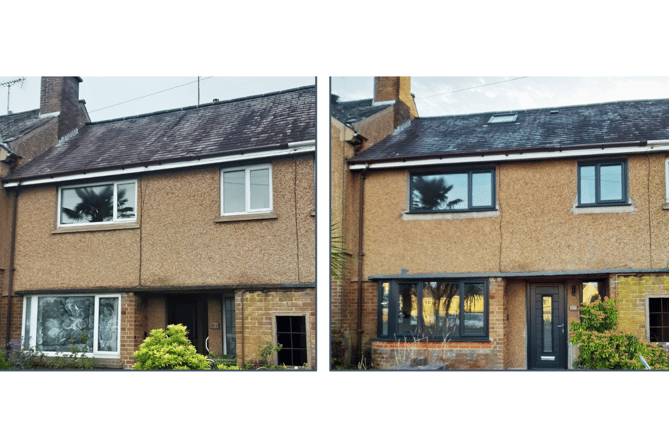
[(192, 107)]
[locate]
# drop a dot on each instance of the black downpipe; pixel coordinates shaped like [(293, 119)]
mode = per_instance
[(11, 264)]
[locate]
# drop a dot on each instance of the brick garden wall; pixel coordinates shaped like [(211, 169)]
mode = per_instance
[(630, 293), (254, 319)]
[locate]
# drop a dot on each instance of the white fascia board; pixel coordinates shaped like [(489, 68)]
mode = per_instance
[(293, 149), (657, 146)]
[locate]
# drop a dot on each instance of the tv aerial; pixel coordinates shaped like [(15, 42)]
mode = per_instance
[(20, 81)]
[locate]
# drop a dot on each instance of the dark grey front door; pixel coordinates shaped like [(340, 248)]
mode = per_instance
[(548, 327)]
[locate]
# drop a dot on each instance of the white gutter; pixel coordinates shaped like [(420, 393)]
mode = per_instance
[(652, 146), (293, 149)]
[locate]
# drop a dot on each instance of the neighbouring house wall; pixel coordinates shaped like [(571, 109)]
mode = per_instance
[(255, 313), (177, 237)]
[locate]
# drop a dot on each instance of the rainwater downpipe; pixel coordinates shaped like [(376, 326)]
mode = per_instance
[(361, 189), (12, 248)]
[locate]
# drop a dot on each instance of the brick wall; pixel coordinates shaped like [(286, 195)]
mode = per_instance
[(16, 319), (630, 293), (350, 320), (61, 94), (134, 322), (254, 319)]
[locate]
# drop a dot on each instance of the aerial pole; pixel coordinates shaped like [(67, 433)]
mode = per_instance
[(9, 84)]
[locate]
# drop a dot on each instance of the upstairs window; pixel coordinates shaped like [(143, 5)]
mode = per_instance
[(457, 191), (602, 183), (246, 190), (111, 202)]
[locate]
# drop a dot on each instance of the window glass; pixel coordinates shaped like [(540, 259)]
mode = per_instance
[(474, 310), (108, 325), (64, 323), (234, 198), (444, 310), (658, 319), (440, 308), (229, 324), (87, 204), (259, 189), (27, 305), (384, 308), (291, 334), (611, 182), (407, 314), (482, 189), (547, 307), (125, 201), (451, 191), (587, 186)]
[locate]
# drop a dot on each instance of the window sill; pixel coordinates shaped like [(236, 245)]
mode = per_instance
[(96, 228), (249, 217), (406, 216), (618, 208)]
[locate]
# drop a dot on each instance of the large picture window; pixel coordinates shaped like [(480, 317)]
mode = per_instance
[(112, 202), (246, 190), (602, 183), (436, 310), (60, 324), (456, 191)]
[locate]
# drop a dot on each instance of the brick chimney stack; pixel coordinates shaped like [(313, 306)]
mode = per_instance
[(61, 94), (399, 90)]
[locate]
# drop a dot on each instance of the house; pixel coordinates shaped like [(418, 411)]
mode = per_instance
[(203, 216), (24, 136), (481, 234)]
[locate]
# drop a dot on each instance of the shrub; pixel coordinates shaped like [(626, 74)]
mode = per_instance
[(223, 367), (13, 357), (601, 345), (169, 349)]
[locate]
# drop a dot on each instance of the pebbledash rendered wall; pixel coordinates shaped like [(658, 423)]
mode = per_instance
[(536, 228), (178, 242)]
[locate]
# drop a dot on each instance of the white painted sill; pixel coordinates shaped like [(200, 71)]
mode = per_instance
[(249, 217), (406, 216), (97, 228)]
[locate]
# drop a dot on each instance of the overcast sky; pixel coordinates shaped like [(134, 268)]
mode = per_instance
[(438, 96), (113, 97)]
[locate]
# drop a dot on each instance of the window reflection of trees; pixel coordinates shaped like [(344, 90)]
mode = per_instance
[(96, 204), (431, 193)]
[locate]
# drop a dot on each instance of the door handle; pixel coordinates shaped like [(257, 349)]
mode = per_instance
[(206, 344)]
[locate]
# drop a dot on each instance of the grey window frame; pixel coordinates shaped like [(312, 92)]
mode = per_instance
[(598, 165), (470, 172), (393, 304)]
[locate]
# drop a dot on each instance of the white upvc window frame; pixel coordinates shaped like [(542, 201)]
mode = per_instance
[(115, 219), (32, 343), (247, 189)]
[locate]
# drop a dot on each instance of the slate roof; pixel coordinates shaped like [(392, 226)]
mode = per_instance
[(13, 126), (235, 126), (537, 129), (354, 110)]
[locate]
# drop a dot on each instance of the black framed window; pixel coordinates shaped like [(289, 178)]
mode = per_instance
[(436, 310), (291, 334), (452, 191), (602, 183), (658, 319)]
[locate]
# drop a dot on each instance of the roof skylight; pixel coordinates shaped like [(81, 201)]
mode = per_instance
[(502, 118)]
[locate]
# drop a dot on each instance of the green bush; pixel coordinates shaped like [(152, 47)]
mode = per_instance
[(169, 350), (601, 345), (223, 367)]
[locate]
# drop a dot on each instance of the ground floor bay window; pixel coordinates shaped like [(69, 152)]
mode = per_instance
[(61, 324), (433, 310)]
